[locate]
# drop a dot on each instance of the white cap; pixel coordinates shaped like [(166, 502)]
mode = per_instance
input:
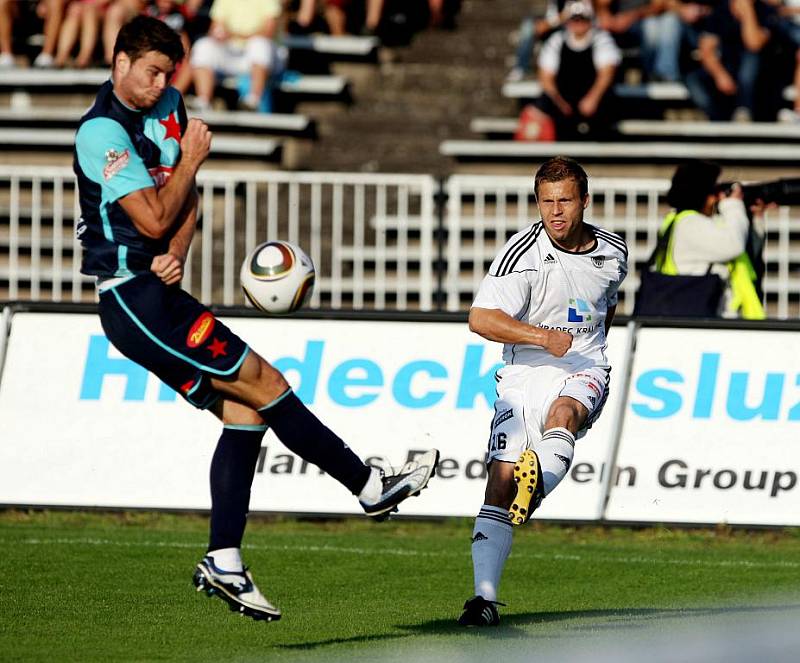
[(578, 8)]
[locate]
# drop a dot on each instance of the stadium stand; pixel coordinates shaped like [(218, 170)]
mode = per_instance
[(411, 100), (630, 152), (668, 92), (657, 125), (674, 94), (321, 53), (284, 124), (35, 100), (504, 127), (266, 149), (292, 88)]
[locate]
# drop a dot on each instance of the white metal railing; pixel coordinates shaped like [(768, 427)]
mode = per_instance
[(359, 264), (488, 209), (373, 238), (491, 208)]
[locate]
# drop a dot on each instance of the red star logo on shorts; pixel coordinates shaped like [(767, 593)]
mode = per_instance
[(217, 348), (172, 126)]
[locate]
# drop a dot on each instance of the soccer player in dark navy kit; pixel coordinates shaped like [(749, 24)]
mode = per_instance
[(136, 158)]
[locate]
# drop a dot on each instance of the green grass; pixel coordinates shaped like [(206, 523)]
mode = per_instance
[(92, 587)]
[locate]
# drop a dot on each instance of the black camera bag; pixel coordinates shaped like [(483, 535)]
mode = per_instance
[(676, 296)]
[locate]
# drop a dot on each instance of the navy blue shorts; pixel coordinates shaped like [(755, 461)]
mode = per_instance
[(172, 335)]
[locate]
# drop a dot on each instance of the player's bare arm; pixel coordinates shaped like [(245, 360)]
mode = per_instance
[(153, 211), (496, 325), (169, 266)]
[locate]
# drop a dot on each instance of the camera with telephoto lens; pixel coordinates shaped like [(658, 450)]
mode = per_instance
[(785, 191)]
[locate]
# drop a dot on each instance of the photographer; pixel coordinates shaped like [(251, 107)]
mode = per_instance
[(701, 267)]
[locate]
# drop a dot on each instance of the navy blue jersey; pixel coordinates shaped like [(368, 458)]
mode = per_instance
[(118, 151)]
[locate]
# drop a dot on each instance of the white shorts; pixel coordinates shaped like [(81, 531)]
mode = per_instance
[(233, 57), (524, 397)]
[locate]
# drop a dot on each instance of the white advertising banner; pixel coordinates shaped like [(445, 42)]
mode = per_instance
[(80, 425), (711, 429)]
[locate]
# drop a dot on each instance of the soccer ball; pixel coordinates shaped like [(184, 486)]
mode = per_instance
[(277, 277)]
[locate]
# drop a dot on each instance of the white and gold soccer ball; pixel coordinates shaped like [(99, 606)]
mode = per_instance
[(277, 277)]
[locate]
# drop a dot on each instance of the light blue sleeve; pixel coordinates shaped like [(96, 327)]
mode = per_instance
[(107, 156)]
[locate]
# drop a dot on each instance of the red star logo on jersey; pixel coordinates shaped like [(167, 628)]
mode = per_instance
[(217, 348), (172, 126)]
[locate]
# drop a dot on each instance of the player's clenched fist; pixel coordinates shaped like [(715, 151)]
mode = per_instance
[(196, 141), (558, 342), (168, 268)]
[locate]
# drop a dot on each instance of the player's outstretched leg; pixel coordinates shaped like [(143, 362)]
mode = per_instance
[(529, 488), (236, 588), (302, 433), (384, 492)]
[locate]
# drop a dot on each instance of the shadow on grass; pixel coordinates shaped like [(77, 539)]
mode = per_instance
[(510, 627)]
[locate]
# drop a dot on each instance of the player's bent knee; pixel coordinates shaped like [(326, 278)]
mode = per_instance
[(239, 414), (256, 383), (566, 412), (257, 371)]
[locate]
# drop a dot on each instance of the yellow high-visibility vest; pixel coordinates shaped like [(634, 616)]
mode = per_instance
[(744, 300)]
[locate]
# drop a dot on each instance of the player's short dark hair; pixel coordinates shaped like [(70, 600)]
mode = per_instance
[(558, 169), (143, 34), (693, 182)]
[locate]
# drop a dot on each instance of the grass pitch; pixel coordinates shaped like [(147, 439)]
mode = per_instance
[(100, 587)]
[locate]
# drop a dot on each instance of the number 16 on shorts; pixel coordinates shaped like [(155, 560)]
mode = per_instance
[(508, 438), (497, 442)]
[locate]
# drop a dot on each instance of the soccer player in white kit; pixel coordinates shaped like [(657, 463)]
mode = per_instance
[(549, 297)]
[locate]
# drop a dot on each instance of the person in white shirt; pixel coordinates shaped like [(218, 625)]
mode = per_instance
[(709, 230), (549, 297)]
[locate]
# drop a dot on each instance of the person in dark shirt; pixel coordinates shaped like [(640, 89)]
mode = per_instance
[(730, 47)]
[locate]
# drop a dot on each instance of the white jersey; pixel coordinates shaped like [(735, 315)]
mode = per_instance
[(535, 281)]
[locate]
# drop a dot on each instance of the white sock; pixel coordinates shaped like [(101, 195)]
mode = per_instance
[(227, 559), (491, 543), (373, 489), (555, 451)]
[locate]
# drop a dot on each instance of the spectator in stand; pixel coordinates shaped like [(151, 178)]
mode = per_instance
[(729, 46), (337, 15), (440, 15), (691, 14), (239, 42), (118, 14), (531, 31), (175, 14), (577, 66), (8, 12), (82, 23), (787, 24), (52, 14), (650, 25)]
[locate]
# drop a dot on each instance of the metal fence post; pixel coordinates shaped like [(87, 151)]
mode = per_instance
[(440, 201)]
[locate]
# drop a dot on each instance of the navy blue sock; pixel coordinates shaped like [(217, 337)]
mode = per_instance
[(302, 433), (232, 470)]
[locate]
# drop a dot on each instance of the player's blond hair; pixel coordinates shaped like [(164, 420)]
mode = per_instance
[(558, 169)]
